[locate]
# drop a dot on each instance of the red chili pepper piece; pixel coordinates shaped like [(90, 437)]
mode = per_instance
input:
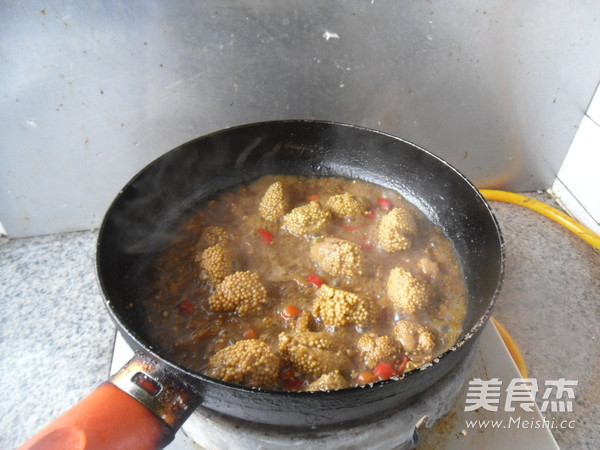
[(287, 375), (370, 215), (266, 235), (400, 365), (368, 245), (351, 227), (290, 381), (315, 279), (294, 384), (366, 377), (187, 306), (384, 203), (250, 334), (290, 312), (384, 371)]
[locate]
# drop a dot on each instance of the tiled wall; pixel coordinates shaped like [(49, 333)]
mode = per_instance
[(578, 181)]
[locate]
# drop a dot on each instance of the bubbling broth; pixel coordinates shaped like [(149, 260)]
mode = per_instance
[(301, 283)]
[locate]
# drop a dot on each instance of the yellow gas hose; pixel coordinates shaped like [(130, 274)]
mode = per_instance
[(513, 348), (558, 216)]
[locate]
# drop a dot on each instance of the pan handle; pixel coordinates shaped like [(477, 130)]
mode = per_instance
[(141, 407)]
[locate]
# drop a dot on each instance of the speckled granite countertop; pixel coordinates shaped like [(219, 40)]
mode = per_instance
[(56, 339)]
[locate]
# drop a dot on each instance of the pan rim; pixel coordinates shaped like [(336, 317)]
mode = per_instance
[(148, 349)]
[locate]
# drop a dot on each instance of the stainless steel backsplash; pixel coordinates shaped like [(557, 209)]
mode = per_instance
[(92, 91)]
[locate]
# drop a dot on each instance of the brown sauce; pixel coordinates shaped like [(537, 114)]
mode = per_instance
[(190, 331)]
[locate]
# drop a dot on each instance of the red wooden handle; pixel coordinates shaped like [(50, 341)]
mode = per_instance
[(107, 419)]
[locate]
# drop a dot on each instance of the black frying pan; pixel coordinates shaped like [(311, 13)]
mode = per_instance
[(140, 221)]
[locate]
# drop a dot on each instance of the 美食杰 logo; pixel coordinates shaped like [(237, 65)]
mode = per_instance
[(554, 396)]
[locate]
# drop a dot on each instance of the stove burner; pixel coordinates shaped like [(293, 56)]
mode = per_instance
[(398, 430)]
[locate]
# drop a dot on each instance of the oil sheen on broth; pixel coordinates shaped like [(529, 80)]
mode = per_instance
[(306, 284)]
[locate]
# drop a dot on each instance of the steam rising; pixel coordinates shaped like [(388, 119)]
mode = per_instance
[(144, 216)]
